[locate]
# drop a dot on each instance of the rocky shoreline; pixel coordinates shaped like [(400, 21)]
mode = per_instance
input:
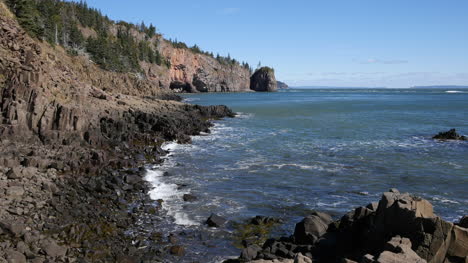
[(399, 228)]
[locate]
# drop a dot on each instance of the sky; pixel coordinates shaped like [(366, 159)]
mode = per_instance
[(347, 43)]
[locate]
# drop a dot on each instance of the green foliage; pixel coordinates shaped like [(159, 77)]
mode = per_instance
[(27, 15), (60, 22)]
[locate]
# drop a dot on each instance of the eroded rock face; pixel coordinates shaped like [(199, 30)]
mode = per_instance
[(263, 80), (199, 73)]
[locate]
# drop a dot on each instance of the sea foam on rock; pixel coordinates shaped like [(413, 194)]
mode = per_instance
[(401, 228)]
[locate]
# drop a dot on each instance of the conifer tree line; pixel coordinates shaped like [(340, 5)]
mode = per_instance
[(58, 22)]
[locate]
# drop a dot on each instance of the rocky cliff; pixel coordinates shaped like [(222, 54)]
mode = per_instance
[(71, 137), (263, 80)]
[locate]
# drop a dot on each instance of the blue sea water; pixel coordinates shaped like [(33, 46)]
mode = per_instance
[(298, 150)]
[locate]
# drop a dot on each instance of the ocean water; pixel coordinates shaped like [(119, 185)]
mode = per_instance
[(294, 151)]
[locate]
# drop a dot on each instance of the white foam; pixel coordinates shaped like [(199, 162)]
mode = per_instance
[(445, 200), (454, 91), (243, 115), (190, 99), (170, 146), (170, 195)]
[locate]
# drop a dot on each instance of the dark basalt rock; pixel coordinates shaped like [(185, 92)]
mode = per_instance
[(264, 220), (464, 222), (263, 80), (215, 221), (189, 198), (450, 135)]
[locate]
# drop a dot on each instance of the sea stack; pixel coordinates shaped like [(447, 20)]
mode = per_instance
[(264, 80)]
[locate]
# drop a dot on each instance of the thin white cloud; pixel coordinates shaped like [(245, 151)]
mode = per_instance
[(229, 11)]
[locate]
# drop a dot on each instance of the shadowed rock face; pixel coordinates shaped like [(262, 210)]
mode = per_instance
[(263, 80)]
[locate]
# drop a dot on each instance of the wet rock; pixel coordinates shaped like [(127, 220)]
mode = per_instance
[(177, 250), (264, 220), (450, 135), (215, 221), (189, 198)]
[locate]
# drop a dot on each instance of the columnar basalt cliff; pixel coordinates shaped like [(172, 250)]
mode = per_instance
[(71, 138)]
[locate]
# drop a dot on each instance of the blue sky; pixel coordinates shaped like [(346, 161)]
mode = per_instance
[(375, 43)]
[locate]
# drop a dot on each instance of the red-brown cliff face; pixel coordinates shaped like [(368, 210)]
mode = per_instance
[(200, 73)]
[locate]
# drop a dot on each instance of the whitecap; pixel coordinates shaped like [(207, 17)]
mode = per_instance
[(454, 91), (171, 196), (190, 99)]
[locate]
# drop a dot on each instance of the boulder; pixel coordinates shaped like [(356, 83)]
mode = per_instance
[(14, 228), (52, 249), (459, 244), (464, 222), (189, 198), (250, 253), (450, 135), (15, 257), (311, 228), (398, 250), (215, 221), (15, 192), (263, 80), (302, 259), (177, 250)]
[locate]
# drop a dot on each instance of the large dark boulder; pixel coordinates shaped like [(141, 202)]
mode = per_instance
[(263, 80), (311, 228), (450, 135), (215, 221)]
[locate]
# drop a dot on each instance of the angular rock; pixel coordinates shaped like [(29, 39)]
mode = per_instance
[(15, 192), (464, 222), (250, 253), (302, 259), (15, 257), (398, 250), (189, 198), (215, 221), (52, 249), (311, 228)]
